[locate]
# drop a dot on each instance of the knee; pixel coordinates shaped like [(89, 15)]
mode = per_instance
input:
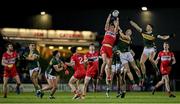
[(128, 70), (86, 84), (167, 81), (33, 78), (137, 69), (50, 86), (109, 66), (151, 60), (55, 87), (4, 84), (104, 62), (70, 83), (162, 82), (141, 63)]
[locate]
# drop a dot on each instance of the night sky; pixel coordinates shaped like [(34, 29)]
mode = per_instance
[(91, 15)]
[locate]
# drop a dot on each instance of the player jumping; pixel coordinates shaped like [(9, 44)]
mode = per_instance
[(111, 29), (149, 51)]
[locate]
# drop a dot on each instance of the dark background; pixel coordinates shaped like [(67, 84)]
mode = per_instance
[(91, 15)]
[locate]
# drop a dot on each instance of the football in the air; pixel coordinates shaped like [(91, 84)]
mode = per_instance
[(115, 13)]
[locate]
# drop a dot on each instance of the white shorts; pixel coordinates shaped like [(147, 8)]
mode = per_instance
[(116, 68), (126, 57), (148, 51), (48, 76), (32, 70)]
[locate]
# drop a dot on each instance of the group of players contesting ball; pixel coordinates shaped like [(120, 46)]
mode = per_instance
[(107, 53)]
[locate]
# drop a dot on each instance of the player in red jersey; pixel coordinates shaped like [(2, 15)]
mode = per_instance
[(111, 29), (167, 59), (91, 58), (77, 61), (9, 63)]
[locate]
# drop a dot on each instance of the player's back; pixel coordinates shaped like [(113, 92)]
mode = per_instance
[(79, 62)]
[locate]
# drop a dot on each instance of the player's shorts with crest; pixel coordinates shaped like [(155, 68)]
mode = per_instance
[(79, 74), (116, 67), (106, 50), (31, 71), (126, 57), (12, 72), (148, 51), (49, 76), (91, 73)]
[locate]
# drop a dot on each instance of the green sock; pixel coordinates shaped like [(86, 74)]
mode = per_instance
[(36, 88), (140, 78)]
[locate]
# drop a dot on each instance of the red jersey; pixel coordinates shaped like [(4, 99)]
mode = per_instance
[(166, 58), (92, 65), (10, 59), (78, 59), (109, 38)]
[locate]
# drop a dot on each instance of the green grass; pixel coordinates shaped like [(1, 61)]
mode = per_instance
[(93, 98)]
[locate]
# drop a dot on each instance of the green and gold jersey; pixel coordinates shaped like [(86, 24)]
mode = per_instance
[(123, 45), (50, 69), (35, 63), (149, 39)]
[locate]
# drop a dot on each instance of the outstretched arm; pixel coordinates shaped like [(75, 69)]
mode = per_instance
[(116, 23), (107, 22), (122, 35), (138, 28), (72, 63), (165, 37)]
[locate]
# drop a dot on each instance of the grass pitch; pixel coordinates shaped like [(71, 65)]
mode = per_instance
[(92, 98)]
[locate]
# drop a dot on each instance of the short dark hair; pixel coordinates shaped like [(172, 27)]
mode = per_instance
[(91, 44), (8, 44), (73, 49), (55, 52), (166, 42), (128, 29)]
